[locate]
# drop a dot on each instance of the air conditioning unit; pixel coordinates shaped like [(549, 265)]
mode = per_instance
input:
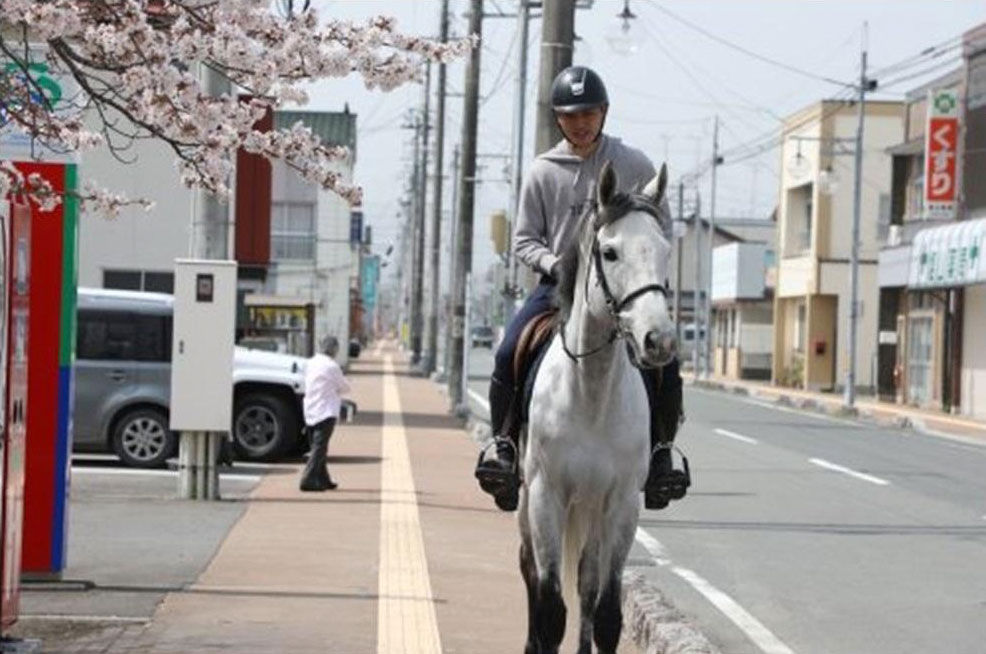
[(894, 235)]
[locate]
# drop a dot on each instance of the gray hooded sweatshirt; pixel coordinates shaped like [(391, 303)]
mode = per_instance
[(558, 188)]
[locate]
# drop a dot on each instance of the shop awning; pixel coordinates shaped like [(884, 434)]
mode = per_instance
[(950, 255), (912, 147)]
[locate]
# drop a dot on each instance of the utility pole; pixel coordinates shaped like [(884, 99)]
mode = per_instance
[(678, 253), (517, 177), (452, 270), (709, 327), (697, 293), (420, 196), (849, 400), (431, 357), (557, 36), (463, 250)]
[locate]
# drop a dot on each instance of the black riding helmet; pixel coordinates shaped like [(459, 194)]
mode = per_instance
[(578, 88)]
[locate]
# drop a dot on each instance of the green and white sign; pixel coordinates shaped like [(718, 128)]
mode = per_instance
[(951, 255), (55, 90)]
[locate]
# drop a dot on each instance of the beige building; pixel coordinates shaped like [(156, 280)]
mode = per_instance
[(811, 304)]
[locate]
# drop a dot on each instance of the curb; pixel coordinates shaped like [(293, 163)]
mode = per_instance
[(654, 624)]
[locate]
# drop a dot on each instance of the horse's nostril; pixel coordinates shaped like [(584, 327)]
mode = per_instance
[(651, 340)]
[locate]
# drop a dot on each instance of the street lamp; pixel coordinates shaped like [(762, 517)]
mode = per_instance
[(620, 39)]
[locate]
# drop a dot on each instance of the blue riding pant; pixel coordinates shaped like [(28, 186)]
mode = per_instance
[(539, 301)]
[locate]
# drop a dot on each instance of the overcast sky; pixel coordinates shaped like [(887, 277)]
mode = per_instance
[(664, 94)]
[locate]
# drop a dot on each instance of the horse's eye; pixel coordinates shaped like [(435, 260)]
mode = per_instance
[(609, 254)]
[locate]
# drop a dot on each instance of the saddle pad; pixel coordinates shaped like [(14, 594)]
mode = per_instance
[(532, 336), (527, 390)]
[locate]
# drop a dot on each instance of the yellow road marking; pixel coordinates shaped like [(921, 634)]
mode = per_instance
[(406, 622)]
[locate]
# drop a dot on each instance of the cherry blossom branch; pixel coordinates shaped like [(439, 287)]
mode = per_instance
[(136, 71)]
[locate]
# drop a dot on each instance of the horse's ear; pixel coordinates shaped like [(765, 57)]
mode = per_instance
[(606, 185), (656, 187)]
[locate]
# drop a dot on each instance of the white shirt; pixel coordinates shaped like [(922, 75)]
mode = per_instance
[(324, 386)]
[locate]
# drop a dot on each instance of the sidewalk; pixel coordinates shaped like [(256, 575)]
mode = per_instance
[(406, 556), (883, 413)]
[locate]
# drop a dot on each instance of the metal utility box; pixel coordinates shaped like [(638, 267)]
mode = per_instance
[(202, 345)]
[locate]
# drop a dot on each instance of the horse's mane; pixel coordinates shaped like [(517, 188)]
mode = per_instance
[(590, 221)]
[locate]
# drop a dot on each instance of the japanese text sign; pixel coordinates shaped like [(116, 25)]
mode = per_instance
[(941, 146)]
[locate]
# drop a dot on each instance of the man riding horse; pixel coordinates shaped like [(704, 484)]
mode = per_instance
[(557, 189)]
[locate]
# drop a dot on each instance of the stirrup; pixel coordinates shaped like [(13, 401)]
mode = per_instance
[(671, 485), (503, 485)]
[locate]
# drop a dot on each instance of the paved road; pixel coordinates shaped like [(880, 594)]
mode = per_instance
[(810, 535), (834, 536)]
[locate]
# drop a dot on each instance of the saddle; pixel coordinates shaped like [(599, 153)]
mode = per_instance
[(528, 354)]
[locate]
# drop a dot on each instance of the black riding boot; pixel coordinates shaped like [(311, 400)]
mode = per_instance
[(664, 483), (496, 469)]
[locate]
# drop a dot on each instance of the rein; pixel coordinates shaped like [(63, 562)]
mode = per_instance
[(613, 306)]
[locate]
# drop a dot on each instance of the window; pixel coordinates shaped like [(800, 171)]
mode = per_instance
[(106, 336), (153, 342), (292, 231), (124, 280), (800, 329), (139, 280), (159, 282), (123, 336)]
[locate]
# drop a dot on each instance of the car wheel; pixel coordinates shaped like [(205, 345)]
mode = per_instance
[(142, 439), (264, 427)]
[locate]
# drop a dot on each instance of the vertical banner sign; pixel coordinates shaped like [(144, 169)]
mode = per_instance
[(355, 227), (941, 144), (368, 278)]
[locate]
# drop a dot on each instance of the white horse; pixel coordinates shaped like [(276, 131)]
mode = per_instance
[(586, 449)]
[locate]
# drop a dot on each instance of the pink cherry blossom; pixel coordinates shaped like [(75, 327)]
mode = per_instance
[(138, 63)]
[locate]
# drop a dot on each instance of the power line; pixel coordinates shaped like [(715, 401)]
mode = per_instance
[(745, 51), (921, 73), (931, 52)]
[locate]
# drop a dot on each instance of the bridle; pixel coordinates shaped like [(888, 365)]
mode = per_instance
[(613, 305)]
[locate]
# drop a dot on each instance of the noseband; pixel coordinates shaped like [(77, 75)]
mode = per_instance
[(613, 305)]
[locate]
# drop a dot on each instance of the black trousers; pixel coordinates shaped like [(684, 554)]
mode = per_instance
[(316, 473)]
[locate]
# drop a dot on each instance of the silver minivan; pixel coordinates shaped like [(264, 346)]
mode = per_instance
[(123, 384)]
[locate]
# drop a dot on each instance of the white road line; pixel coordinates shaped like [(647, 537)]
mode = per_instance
[(482, 401), (734, 435), (749, 625), (406, 620), (95, 457), (81, 470), (849, 471), (752, 627)]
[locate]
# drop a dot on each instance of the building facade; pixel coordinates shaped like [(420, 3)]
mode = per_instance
[(932, 274), (291, 239), (742, 300), (815, 214)]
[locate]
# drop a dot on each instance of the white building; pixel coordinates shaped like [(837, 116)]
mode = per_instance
[(308, 233), (811, 306)]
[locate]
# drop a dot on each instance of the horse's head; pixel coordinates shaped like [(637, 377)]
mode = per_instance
[(631, 255)]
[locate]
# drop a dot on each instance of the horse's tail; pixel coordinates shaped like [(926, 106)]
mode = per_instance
[(573, 542)]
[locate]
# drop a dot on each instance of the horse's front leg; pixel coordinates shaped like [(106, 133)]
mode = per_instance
[(528, 570), (588, 592), (608, 620), (546, 517)]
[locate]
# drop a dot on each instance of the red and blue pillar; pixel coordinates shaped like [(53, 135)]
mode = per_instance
[(51, 345)]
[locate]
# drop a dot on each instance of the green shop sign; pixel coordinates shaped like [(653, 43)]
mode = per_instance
[(951, 255)]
